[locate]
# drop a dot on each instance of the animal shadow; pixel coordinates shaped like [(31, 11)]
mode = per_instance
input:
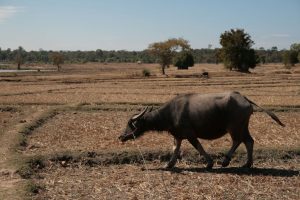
[(238, 170)]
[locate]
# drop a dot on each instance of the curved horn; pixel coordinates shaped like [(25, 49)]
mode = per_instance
[(136, 117)]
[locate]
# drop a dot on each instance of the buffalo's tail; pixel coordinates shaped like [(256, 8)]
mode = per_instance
[(272, 115)]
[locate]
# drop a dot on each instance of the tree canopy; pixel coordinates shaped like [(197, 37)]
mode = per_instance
[(20, 57), (236, 52), (57, 59), (204, 55), (295, 47), (292, 56), (184, 60), (165, 51)]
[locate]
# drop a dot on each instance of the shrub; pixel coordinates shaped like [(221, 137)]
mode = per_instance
[(290, 58), (146, 72), (184, 60)]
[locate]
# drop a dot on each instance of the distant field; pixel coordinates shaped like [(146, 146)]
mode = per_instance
[(60, 129)]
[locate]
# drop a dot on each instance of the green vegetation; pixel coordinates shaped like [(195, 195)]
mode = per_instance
[(204, 55), (237, 45), (146, 72), (295, 47), (292, 56), (236, 51), (184, 60), (165, 51)]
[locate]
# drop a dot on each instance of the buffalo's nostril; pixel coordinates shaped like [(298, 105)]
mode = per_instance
[(121, 138)]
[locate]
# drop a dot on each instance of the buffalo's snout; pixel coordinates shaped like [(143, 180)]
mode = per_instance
[(121, 138), (124, 137)]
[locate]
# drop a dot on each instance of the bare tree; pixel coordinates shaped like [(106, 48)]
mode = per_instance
[(20, 57), (166, 50), (57, 59)]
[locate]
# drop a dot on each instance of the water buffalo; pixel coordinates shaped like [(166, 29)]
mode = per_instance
[(205, 116), (204, 75)]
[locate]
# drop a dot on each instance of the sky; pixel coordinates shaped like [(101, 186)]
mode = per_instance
[(134, 24)]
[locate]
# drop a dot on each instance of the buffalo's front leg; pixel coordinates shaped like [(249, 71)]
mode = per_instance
[(194, 141), (176, 152)]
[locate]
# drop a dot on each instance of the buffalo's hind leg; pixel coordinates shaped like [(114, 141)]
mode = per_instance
[(176, 152), (196, 144), (248, 141)]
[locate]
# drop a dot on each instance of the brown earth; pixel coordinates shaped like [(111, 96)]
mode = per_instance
[(98, 131), (68, 123)]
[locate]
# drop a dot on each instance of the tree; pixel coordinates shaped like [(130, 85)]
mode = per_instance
[(218, 56), (99, 54), (236, 51), (20, 57), (274, 48), (204, 55), (184, 60), (166, 50), (290, 58), (57, 59), (262, 59), (295, 47)]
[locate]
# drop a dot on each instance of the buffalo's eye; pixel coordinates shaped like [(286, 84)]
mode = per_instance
[(132, 125)]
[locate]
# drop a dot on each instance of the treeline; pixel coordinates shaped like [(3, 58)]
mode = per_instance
[(272, 55)]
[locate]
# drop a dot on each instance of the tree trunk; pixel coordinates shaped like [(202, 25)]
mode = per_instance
[(58, 68), (19, 66), (163, 69)]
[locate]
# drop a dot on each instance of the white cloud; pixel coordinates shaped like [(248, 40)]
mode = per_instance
[(7, 12)]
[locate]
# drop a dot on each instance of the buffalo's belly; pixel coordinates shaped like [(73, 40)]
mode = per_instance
[(210, 134), (212, 126)]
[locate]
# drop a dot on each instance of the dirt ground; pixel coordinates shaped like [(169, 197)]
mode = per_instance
[(58, 133), (97, 131), (187, 181)]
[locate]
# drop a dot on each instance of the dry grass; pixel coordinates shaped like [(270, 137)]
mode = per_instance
[(6, 116), (95, 102), (113, 83), (94, 131), (188, 181)]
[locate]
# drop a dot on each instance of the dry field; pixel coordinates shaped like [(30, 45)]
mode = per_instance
[(58, 134)]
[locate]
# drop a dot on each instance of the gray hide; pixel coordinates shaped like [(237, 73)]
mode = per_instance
[(205, 116)]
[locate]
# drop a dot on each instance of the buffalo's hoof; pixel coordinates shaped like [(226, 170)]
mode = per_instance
[(225, 162), (247, 165), (209, 165), (170, 165)]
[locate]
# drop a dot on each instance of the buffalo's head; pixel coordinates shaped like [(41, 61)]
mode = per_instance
[(135, 126)]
